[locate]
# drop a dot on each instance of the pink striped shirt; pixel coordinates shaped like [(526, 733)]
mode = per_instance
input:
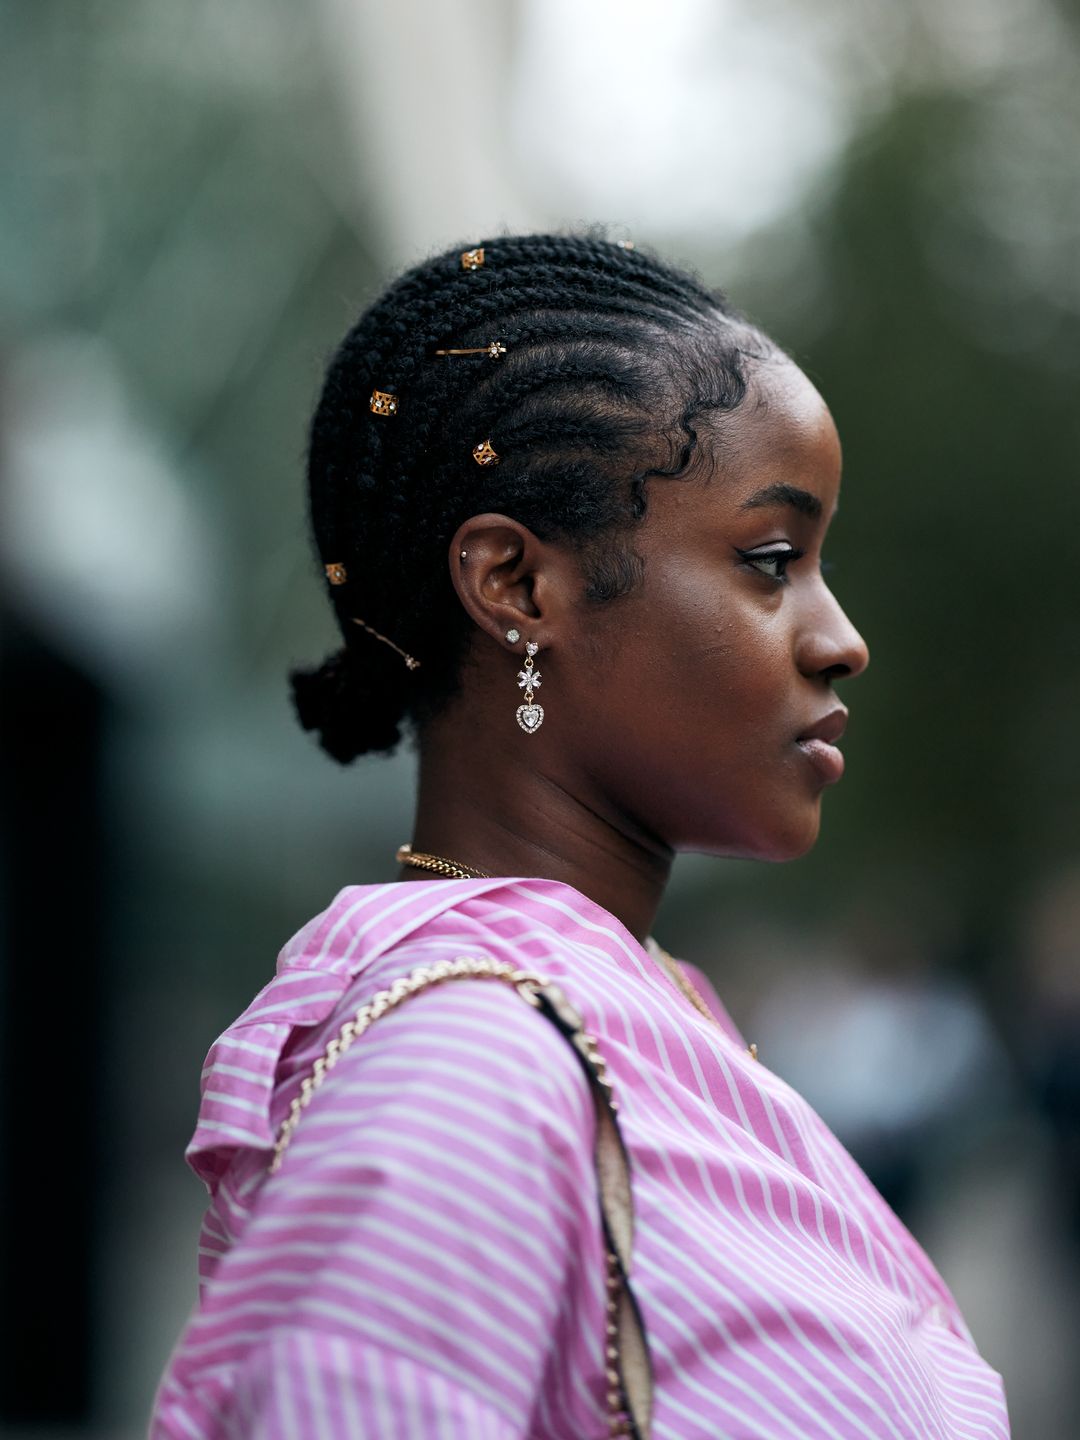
[(428, 1260)]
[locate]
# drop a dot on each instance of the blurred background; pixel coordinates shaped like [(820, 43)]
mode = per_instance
[(195, 201)]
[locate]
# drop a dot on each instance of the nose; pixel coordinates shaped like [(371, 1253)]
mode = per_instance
[(829, 647)]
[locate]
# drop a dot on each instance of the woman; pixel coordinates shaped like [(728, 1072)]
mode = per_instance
[(570, 510)]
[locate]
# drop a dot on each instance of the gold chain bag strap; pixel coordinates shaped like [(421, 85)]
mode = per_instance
[(628, 1368)]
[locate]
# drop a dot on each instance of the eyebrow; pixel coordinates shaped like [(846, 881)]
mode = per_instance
[(781, 494)]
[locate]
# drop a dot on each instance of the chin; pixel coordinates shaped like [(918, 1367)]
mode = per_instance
[(794, 850), (797, 840)]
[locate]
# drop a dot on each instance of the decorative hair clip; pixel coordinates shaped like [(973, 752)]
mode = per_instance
[(336, 573), (485, 453), (383, 402), (411, 662), (472, 259), (625, 244), (494, 349)]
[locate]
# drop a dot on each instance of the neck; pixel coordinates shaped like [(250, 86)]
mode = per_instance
[(496, 812)]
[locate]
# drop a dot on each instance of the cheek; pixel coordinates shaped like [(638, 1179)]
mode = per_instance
[(746, 668), (704, 696), (733, 663), (686, 718), (693, 642)]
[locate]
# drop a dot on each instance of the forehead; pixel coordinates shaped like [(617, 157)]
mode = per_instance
[(781, 433)]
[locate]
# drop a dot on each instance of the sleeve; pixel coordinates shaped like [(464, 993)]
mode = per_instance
[(428, 1260)]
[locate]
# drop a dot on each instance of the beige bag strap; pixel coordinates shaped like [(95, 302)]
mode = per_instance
[(627, 1364)]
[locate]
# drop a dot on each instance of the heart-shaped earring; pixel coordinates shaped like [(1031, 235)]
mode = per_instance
[(530, 715)]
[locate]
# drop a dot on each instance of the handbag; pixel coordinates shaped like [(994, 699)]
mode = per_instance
[(628, 1370)]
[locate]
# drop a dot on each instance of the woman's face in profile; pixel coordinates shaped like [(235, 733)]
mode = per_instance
[(706, 703)]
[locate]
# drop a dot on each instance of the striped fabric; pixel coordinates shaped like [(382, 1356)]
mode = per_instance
[(428, 1261)]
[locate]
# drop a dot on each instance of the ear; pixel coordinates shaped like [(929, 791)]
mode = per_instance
[(507, 578)]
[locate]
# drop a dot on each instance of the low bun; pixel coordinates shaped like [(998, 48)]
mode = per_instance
[(355, 705)]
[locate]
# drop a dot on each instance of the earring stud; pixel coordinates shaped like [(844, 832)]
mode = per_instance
[(513, 635)]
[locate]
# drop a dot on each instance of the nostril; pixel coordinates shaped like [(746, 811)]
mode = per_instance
[(835, 672)]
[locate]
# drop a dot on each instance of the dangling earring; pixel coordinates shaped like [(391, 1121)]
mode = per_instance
[(530, 716)]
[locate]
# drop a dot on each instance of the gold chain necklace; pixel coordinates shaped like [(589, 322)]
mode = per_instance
[(448, 869), (454, 870)]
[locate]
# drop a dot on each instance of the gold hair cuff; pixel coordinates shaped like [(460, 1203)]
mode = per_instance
[(485, 453), (410, 661), (336, 573), (472, 259), (495, 348), (383, 402)]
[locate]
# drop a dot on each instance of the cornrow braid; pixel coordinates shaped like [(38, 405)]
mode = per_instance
[(610, 357)]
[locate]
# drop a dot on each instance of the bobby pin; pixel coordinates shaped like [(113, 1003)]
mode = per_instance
[(410, 662), (494, 348)]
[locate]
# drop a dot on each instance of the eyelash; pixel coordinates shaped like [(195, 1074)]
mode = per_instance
[(780, 558)]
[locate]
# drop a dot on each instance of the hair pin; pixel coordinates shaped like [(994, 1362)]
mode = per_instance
[(410, 661), (383, 402), (494, 349), (485, 453), (472, 259), (336, 573)]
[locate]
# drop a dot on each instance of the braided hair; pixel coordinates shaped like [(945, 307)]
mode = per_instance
[(611, 355)]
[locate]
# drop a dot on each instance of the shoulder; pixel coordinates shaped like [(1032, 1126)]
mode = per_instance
[(463, 1051)]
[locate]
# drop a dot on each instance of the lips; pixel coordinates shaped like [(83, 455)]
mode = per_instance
[(829, 728), (818, 744)]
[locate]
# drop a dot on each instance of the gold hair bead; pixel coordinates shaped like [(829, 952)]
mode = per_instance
[(485, 453), (472, 259), (336, 573), (494, 349), (383, 402)]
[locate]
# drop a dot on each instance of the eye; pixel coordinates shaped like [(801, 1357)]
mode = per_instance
[(772, 562)]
